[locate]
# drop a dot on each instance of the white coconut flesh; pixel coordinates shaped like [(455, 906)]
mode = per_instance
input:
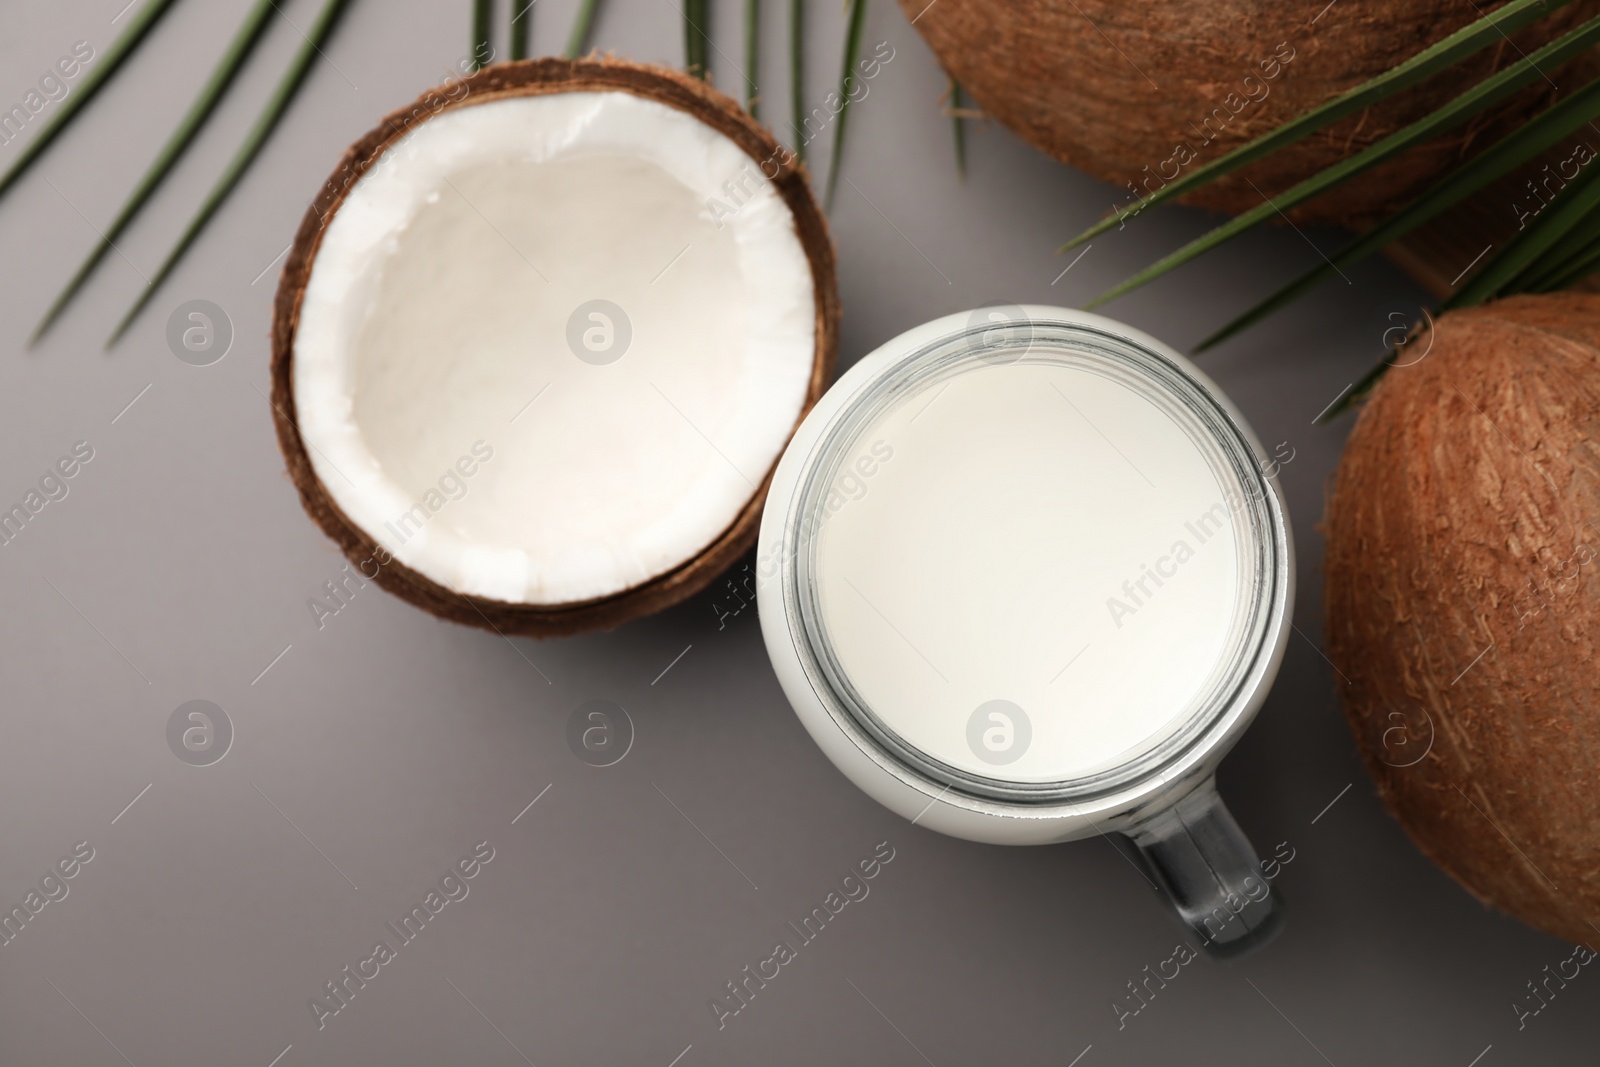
[(442, 406)]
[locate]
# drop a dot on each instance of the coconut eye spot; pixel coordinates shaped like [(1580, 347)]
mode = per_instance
[(542, 356)]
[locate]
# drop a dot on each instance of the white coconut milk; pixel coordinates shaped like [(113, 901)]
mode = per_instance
[(1030, 571)]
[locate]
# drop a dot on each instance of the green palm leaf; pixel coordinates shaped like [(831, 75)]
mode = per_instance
[(696, 23), (254, 140), (1579, 268), (482, 34), (521, 27), (115, 56), (232, 61), (1565, 252), (1565, 211), (752, 55), (1360, 388), (852, 48), (578, 40), (797, 76), (1481, 96), (1503, 157), (1472, 38)]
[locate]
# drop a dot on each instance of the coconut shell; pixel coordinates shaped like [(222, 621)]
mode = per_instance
[(1114, 88), (1463, 601), (530, 78)]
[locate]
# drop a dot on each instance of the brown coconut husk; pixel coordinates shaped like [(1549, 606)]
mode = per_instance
[(1112, 88), (1463, 602), (530, 78)]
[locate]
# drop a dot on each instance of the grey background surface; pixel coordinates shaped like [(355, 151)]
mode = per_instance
[(372, 753)]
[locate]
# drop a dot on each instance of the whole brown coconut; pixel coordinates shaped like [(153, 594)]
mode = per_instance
[(498, 82), (1126, 91), (1463, 599)]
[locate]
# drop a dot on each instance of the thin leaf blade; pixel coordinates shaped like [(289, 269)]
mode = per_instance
[(283, 95), (211, 93), (1569, 208), (582, 25), (1573, 245), (797, 76), (1579, 268), (1504, 156), (1491, 29), (115, 56), (752, 57), (696, 18), (1360, 388), (1472, 102), (521, 28), (852, 49), (482, 34)]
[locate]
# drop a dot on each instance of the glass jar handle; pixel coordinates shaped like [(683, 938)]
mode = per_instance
[(1198, 854)]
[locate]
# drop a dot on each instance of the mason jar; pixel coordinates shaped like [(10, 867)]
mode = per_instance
[(1025, 576)]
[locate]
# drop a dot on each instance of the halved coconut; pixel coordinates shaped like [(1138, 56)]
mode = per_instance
[(542, 337)]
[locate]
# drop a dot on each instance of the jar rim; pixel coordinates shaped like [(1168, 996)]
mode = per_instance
[(1180, 394)]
